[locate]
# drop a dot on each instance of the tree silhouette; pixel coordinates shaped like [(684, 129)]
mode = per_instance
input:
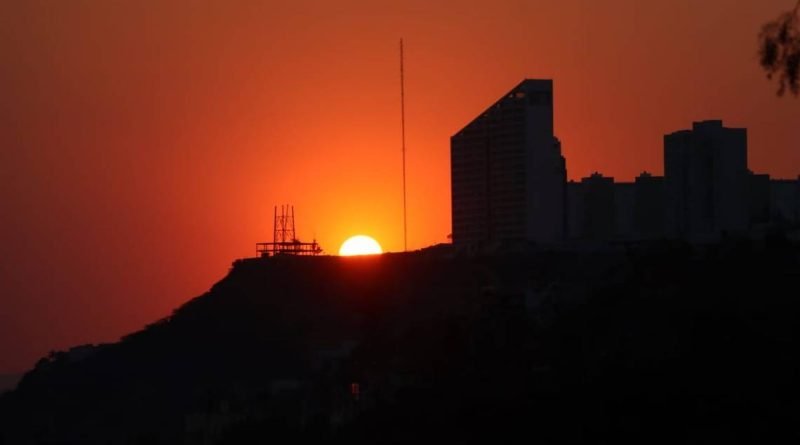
[(779, 50)]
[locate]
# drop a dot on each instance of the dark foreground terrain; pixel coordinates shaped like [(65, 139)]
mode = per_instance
[(662, 343)]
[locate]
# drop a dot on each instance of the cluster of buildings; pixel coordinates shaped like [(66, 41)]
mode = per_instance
[(509, 184)]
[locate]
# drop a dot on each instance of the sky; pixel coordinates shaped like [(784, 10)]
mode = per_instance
[(143, 144)]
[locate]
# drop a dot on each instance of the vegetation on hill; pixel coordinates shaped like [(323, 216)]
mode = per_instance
[(660, 342)]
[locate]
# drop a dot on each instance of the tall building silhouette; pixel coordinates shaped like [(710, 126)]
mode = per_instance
[(648, 207), (706, 177), (508, 174), (509, 185), (599, 208)]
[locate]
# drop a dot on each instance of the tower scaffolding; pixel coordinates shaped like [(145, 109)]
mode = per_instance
[(284, 238)]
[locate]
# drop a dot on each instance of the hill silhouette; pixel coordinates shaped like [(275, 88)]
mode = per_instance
[(655, 343), (8, 382)]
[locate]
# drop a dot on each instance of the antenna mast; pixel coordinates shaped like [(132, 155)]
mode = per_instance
[(403, 129)]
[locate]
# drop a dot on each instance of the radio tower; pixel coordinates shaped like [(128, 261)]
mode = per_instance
[(403, 131), (284, 237), (283, 229)]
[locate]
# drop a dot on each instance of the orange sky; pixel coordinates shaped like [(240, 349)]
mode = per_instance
[(144, 143)]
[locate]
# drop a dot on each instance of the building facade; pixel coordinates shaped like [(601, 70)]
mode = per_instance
[(508, 175), (509, 185), (706, 176)]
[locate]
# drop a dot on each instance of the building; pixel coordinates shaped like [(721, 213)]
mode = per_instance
[(648, 207), (509, 185), (508, 175), (705, 173), (625, 205), (599, 208), (758, 191), (784, 202)]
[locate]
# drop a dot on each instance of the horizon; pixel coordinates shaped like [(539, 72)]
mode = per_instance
[(146, 144)]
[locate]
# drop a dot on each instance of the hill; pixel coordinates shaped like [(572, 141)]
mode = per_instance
[(8, 382), (657, 343)]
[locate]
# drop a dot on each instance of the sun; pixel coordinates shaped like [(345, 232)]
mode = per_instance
[(360, 245)]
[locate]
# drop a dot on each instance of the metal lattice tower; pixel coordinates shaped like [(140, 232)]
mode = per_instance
[(283, 228), (284, 237)]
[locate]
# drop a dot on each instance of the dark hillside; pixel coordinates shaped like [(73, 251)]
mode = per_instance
[(659, 343)]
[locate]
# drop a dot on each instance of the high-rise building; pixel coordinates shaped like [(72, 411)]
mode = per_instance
[(508, 175), (784, 201), (648, 207), (599, 208), (705, 178)]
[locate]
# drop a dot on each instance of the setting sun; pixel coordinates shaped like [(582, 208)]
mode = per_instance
[(360, 245)]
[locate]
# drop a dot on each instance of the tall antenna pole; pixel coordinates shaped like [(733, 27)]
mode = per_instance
[(403, 126)]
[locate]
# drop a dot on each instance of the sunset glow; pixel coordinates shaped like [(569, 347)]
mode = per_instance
[(360, 245), (145, 144)]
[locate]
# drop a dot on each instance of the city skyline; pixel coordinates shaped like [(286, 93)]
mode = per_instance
[(510, 189), (144, 145)]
